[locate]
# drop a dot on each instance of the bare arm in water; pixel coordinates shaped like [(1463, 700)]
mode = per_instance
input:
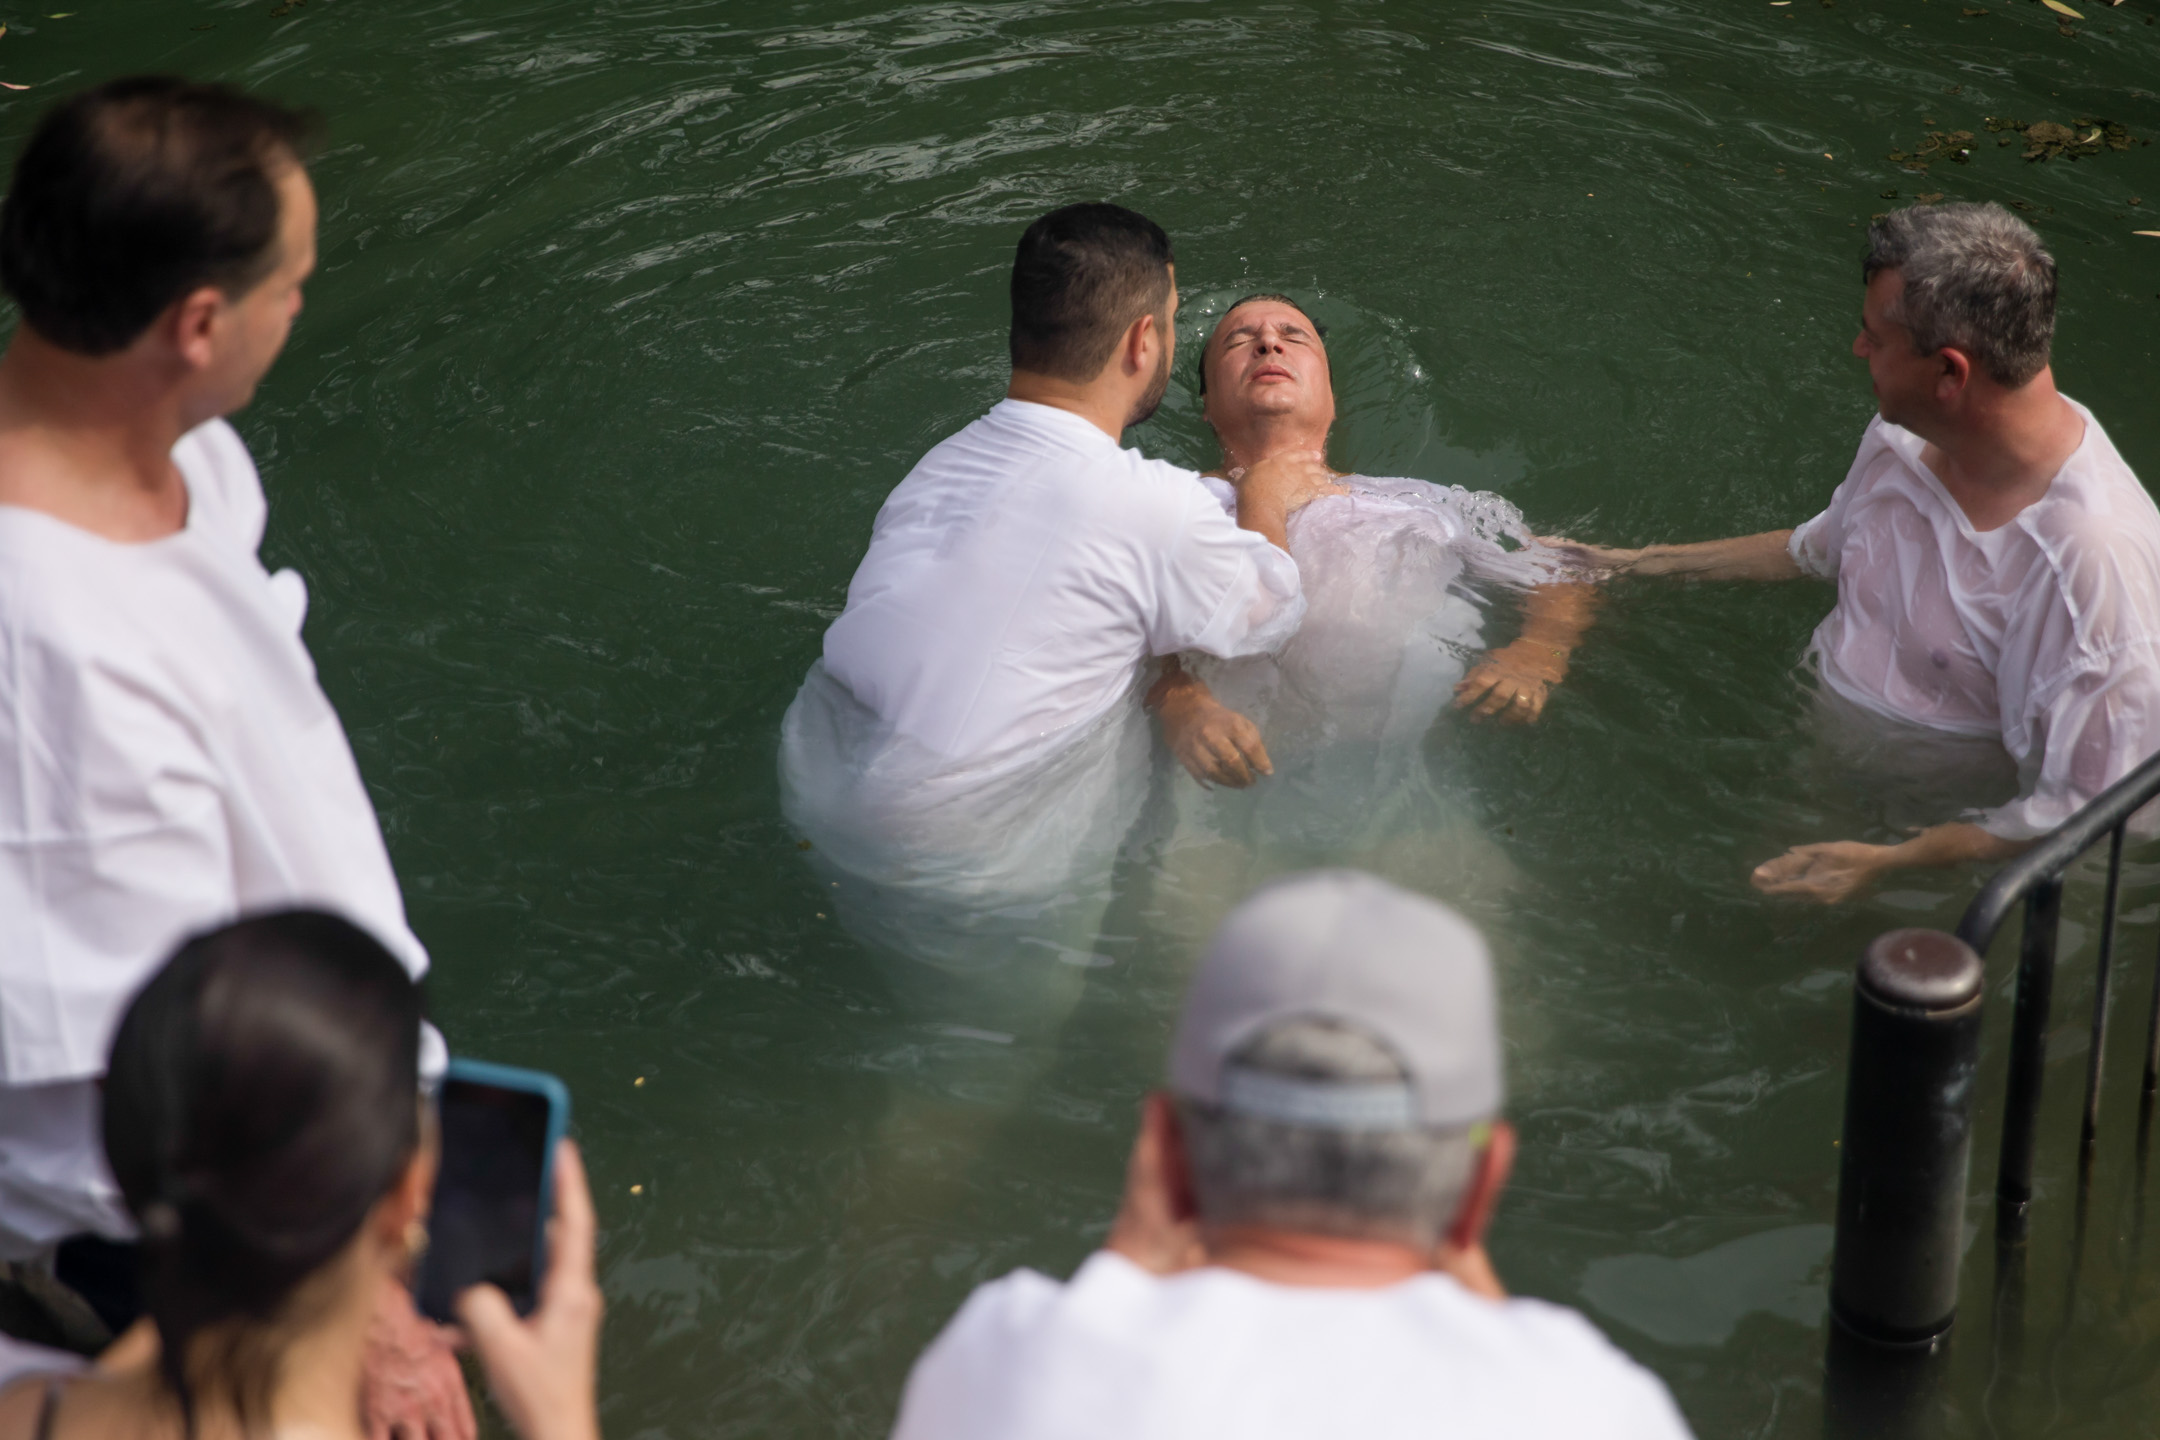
[(1514, 681), (1835, 870), (1215, 744), (1744, 557), (1839, 869)]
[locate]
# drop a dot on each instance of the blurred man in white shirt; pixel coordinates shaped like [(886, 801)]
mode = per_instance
[(1300, 1250), (167, 759), (1997, 563)]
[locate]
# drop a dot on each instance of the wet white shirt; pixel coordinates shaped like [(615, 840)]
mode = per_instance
[(1120, 1354), (170, 762), (2044, 632), (1024, 572)]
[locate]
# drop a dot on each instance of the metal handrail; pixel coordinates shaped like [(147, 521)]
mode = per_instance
[(2036, 877)]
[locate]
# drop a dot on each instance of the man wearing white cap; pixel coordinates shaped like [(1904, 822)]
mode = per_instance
[(1301, 1247)]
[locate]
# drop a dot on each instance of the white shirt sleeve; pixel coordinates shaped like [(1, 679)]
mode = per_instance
[(1817, 544), (1224, 591), (2100, 725)]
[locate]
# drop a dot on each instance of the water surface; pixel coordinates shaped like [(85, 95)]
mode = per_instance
[(631, 312)]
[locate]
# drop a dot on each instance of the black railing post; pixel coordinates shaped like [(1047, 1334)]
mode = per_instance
[(2028, 1055), (2103, 975), (1908, 1138)]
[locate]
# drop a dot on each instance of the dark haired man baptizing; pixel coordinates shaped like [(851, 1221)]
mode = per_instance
[(167, 759), (972, 746), (1997, 563)]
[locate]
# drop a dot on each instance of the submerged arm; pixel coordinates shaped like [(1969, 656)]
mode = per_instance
[(1744, 557), (1514, 681), (1212, 741), (1840, 869)]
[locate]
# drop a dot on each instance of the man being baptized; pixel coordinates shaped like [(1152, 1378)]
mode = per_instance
[(1397, 574)]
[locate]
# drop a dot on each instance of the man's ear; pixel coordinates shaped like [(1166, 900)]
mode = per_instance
[(1136, 354), (1482, 1196), (1169, 1136), (194, 324), (1954, 375)]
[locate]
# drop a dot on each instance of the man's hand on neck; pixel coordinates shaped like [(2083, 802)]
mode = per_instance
[(1271, 490)]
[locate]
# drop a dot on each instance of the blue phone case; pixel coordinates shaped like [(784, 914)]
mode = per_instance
[(557, 1095)]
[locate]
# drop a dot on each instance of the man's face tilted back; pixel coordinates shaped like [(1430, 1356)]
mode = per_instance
[(1266, 359)]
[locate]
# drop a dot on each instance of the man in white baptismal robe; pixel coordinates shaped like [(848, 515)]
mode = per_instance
[(971, 748), (1997, 563), (1398, 576)]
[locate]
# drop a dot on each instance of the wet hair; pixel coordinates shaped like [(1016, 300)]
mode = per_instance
[(1318, 329), (133, 193), (1081, 277), (1400, 1185), (1976, 277), (262, 1097)]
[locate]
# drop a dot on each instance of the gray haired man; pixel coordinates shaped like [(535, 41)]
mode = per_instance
[(1997, 563), (1301, 1247)]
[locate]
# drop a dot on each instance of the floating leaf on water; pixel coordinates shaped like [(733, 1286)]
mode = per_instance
[(2068, 32), (1928, 197), (9, 84), (1889, 194), (2155, 234), (61, 16), (2061, 9)]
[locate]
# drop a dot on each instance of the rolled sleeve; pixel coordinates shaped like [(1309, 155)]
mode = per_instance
[(1816, 544)]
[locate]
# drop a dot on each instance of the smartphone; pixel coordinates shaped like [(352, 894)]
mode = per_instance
[(496, 1185)]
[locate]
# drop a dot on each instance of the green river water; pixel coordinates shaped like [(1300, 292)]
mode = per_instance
[(631, 312)]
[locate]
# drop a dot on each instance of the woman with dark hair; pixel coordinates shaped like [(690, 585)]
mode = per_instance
[(264, 1122)]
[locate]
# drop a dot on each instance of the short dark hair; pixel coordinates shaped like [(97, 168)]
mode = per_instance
[(262, 1097), (1976, 277), (1081, 277), (1318, 329), (135, 192)]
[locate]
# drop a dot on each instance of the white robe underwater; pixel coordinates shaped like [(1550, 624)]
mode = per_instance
[(970, 751), (1396, 575)]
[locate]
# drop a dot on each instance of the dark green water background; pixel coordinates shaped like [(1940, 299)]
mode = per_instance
[(631, 312)]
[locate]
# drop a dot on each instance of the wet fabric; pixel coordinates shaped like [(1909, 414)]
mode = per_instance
[(1397, 577), (2044, 632), (970, 751), (1117, 1351), (1025, 570)]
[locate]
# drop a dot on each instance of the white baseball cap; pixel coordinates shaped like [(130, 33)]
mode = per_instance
[(1345, 946)]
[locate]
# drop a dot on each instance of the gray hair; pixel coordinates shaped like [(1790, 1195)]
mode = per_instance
[(1398, 1185), (1976, 277)]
